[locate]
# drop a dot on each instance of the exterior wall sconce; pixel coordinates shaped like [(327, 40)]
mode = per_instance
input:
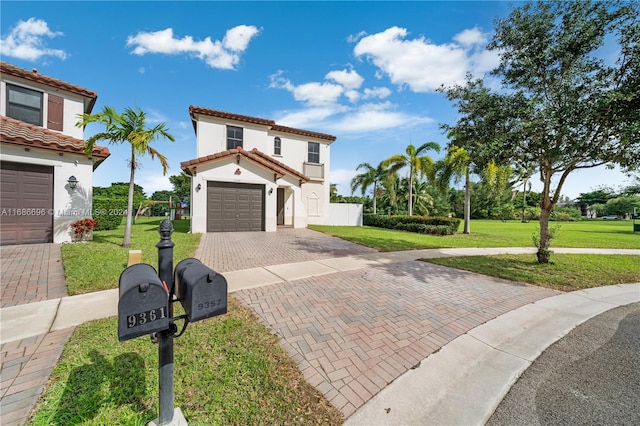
[(73, 182), (198, 188), (270, 191)]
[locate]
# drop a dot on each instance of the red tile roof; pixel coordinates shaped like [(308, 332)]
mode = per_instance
[(255, 120), (253, 155), (34, 76), (18, 132)]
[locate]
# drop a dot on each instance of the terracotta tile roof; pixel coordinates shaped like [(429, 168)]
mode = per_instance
[(18, 132), (34, 76), (283, 129), (253, 155), (255, 120)]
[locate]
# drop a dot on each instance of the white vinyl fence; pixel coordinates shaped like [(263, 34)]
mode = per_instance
[(345, 214)]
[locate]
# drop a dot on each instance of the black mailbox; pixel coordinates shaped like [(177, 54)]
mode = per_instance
[(201, 291), (143, 306)]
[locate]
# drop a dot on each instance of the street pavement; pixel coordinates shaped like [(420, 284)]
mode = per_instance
[(388, 340)]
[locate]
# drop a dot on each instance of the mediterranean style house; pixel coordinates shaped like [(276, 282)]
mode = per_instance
[(251, 174), (46, 178)]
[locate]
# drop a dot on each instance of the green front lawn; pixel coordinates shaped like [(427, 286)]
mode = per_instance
[(227, 370), (493, 233), (97, 265)]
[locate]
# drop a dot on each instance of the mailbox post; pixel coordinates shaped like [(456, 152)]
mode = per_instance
[(145, 307), (165, 337)]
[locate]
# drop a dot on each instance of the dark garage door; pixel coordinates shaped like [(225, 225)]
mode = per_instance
[(234, 207), (26, 201)]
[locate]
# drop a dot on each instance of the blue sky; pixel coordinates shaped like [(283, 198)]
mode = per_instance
[(365, 72)]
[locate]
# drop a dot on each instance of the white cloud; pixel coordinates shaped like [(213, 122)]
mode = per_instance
[(27, 41), (152, 182), (348, 79), (313, 94), (308, 118), (216, 54), (342, 176), (377, 92), (472, 37), (421, 64)]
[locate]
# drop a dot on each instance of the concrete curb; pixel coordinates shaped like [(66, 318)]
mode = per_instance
[(465, 381)]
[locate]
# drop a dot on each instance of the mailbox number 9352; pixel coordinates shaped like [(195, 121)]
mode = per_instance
[(209, 304), (146, 317)]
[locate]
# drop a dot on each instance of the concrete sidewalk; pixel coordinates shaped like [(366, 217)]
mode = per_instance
[(515, 338)]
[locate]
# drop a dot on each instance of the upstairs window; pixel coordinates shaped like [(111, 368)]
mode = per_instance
[(24, 104), (314, 152), (277, 146), (234, 137)]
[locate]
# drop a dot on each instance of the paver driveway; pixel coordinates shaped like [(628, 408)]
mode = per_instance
[(354, 332)]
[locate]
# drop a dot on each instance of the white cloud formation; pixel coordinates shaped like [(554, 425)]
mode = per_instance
[(422, 65), (313, 93), (472, 37), (342, 177), (27, 41), (377, 92), (216, 54), (348, 79)]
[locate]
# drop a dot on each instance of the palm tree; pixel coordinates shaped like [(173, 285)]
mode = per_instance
[(127, 127), (419, 165), (457, 163), (370, 176)]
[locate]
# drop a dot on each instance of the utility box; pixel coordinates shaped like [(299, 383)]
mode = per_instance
[(201, 291), (143, 304)]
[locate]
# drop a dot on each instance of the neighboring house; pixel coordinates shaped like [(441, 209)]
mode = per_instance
[(42, 154), (252, 174)]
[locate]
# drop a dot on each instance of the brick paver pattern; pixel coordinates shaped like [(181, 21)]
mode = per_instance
[(232, 251), (30, 273), (352, 333)]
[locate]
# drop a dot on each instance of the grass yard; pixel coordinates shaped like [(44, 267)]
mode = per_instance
[(227, 370), (567, 272), (97, 265), (493, 233)]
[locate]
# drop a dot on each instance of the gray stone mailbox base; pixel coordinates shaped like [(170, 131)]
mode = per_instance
[(178, 419)]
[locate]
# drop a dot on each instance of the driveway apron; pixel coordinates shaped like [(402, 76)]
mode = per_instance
[(354, 332)]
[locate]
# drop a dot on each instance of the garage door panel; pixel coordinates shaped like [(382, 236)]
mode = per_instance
[(25, 188), (234, 207)]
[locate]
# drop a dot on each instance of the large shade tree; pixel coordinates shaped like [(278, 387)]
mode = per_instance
[(128, 127), (563, 106), (418, 163)]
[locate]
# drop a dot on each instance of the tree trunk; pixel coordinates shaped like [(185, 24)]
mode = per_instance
[(524, 199), (410, 197), (375, 190), (126, 242), (467, 203)]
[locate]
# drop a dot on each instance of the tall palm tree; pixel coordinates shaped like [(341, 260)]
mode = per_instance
[(419, 165), (370, 177), (457, 163), (127, 127)]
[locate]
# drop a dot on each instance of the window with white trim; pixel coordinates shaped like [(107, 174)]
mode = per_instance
[(277, 146), (314, 152), (24, 104), (234, 137)]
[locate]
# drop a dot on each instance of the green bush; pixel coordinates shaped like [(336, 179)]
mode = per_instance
[(565, 214), (108, 212), (436, 225)]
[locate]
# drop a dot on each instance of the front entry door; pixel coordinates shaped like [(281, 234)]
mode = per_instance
[(280, 206)]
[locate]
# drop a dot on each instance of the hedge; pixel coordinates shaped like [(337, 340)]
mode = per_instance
[(108, 212), (435, 225)]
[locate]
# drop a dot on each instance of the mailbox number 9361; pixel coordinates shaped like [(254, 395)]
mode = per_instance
[(146, 317), (209, 304)]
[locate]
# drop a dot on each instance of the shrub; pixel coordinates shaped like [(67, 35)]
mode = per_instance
[(565, 214), (107, 212), (82, 229), (436, 225)]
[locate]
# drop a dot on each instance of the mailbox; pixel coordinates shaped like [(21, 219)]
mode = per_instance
[(143, 306), (201, 291)]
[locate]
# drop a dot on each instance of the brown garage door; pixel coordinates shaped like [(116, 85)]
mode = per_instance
[(234, 207), (26, 203)]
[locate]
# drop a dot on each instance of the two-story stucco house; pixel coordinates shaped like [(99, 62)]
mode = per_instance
[(251, 174), (46, 178)]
